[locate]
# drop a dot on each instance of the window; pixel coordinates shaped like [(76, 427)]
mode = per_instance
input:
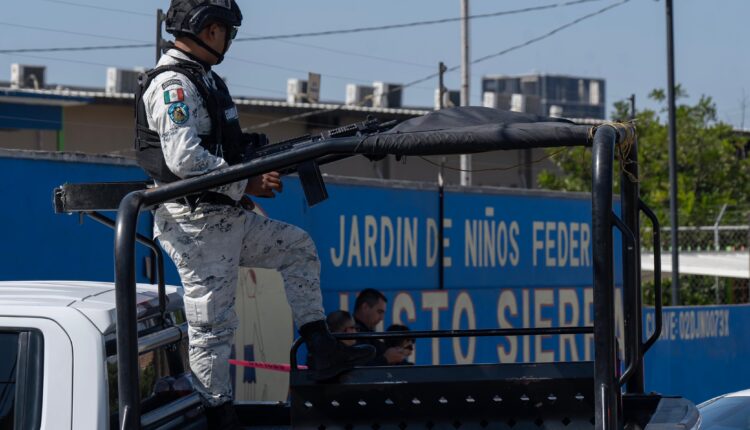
[(21, 367), (8, 360)]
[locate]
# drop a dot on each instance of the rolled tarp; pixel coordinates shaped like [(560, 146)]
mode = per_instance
[(471, 129)]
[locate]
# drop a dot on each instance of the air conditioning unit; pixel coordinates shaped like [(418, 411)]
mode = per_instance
[(24, 76), (595, 95), (359, 95), (122, 81), (556, 111), (495, 100), (387, 95), (451, 98), (517, 103), (313, 87), (525, 104), (296, 90)]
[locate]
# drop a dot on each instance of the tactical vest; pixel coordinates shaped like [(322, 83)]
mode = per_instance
[(224, 140)]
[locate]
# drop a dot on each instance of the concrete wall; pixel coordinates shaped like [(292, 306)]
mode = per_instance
[(42, 140), (99, 129)]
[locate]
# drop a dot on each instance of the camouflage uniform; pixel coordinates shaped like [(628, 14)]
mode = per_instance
[(210, 243)]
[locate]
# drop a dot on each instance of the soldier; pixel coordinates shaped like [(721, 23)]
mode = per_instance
[(187, 126)]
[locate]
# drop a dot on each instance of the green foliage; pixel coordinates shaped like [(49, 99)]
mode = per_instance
[(711, 171)]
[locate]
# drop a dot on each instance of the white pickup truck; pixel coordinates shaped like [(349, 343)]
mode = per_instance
[(57, 357)]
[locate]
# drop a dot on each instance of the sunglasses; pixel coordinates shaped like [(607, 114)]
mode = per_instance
[(232, 32)]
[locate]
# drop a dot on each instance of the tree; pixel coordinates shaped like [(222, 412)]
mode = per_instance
[(713, 167)]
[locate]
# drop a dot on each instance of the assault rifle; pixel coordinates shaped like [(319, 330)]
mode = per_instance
[(309, 171)]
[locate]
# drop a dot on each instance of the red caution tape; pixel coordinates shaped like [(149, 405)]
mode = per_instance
[(277, 367)]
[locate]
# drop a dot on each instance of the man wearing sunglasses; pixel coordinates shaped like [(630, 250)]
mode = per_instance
[(187, 126)]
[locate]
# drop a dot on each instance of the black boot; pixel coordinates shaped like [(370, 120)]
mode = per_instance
[(222, 417), (328, 356)]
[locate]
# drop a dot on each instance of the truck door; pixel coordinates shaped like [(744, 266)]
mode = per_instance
[(35, 374)]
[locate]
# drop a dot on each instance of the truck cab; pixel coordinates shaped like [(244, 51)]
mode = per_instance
[(58, 356)]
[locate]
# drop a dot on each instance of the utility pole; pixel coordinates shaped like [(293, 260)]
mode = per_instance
[(743, 106), (441, 86), (465, 95), (159, 40), (672, 158), (441, 188)]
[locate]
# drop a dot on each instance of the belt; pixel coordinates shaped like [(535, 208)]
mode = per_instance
[(209, 197)]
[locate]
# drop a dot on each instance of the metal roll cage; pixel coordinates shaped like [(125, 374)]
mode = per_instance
[(607, 384)]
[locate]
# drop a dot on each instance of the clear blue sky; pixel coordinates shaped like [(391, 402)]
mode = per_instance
[(626, 45)]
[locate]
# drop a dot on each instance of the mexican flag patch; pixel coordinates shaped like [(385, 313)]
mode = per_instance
[(174, 96)]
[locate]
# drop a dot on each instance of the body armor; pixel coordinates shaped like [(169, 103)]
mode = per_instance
[(225, 139)]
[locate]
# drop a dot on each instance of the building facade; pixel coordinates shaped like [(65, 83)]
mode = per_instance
[(547, 95), (100, 121)]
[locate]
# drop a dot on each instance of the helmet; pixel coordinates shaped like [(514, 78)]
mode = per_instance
[(189, 17)]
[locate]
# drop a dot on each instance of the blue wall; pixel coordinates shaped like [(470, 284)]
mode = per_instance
[(39, 244), (702, 351), (512, 260)]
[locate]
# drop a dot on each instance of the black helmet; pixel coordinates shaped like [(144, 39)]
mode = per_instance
[(189, 17)]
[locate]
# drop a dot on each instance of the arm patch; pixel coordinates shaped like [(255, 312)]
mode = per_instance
[(170, 83), (179, 113), (174, 95)]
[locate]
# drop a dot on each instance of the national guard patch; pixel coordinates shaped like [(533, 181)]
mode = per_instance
[(174, 95), (179, 113), (171, 83)]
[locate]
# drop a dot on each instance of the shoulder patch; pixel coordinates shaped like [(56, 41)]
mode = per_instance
[(174, 95), (179, 113), (171, 82)]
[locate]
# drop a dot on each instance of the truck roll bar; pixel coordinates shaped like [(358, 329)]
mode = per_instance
[(304, 156)]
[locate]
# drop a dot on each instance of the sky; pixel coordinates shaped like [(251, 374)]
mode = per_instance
[(625, 45)]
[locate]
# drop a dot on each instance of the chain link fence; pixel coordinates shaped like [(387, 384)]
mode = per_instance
[(728, 235)]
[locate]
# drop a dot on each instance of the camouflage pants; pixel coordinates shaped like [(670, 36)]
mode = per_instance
[(208, 246)]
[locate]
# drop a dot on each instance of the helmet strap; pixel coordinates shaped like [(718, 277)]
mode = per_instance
[(219, 56)]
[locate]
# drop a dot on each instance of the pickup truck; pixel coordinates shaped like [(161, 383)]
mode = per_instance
[(69, 384), (59, 371), (58, 367), (57, 361)]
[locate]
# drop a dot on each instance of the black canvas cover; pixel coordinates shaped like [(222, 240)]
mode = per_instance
[(463, 130)]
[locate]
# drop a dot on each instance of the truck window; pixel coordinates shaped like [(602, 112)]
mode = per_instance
[(8, 359), (21, 367)]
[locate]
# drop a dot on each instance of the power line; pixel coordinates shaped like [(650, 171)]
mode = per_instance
[(75, 33), (354, 54), (257, 63), (79, 48), (411, 24), (64, 60), (454, 68), (233, 84), (293, 70), (493, 169), (296, 35), (550, 33), (108, 9), (528, 42)]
